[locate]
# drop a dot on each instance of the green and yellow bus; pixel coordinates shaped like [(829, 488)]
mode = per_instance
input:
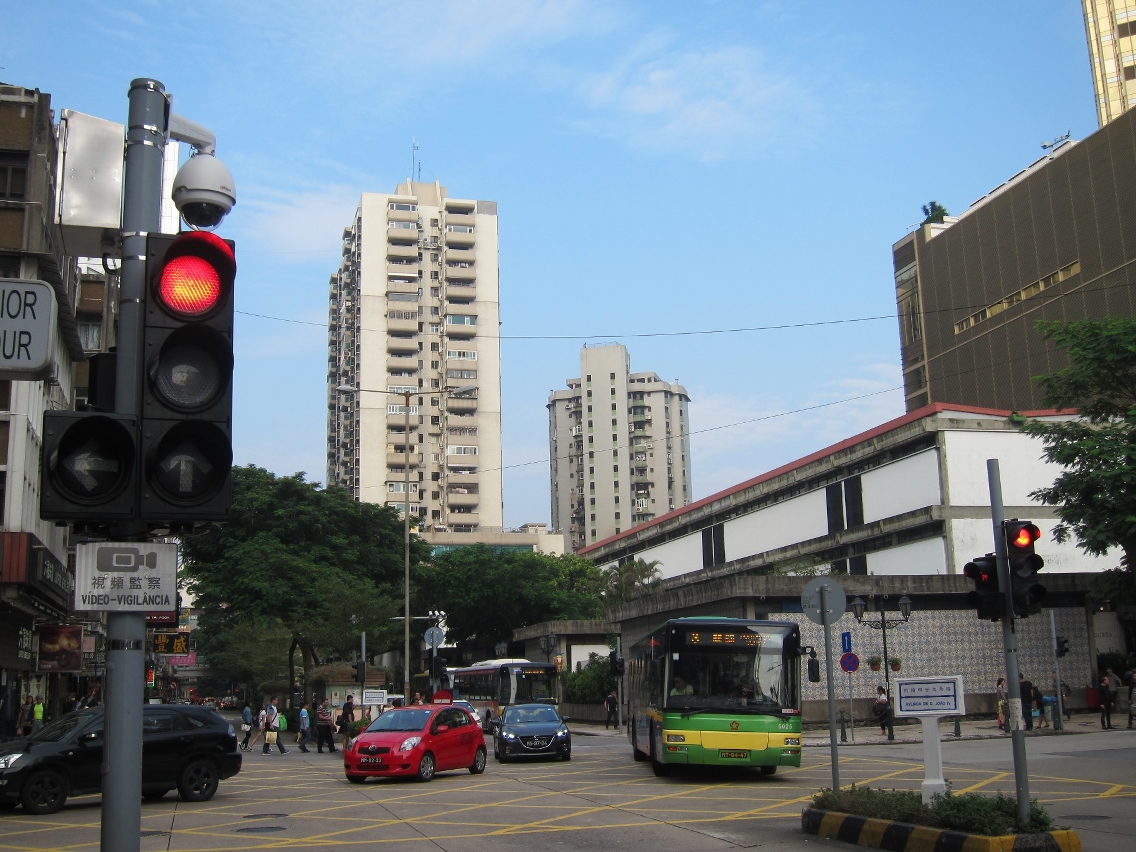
[(716, 691)]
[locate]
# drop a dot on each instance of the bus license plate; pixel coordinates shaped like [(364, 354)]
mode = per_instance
[(734, 754), (375, 760)]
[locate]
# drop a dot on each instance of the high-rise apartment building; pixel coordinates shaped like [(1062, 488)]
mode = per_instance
[(619, 447), (1055, 242), (414, 308), (1110, 26)]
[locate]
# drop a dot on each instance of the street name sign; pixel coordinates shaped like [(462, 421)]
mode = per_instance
[(27, 329), (374, 697), (930, 696), (125, 576)]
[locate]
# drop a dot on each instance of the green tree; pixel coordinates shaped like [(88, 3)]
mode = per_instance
[(632, 578), (933, 213), (314, 561), (1095, 495), (592, 683), (488, 594)]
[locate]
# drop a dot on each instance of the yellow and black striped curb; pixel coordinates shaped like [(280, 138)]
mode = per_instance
[(903, 837)]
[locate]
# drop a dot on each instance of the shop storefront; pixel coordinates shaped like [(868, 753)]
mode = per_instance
[(16, 664)]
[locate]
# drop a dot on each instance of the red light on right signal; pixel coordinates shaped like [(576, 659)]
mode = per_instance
[(1026, 536), (190, 286)]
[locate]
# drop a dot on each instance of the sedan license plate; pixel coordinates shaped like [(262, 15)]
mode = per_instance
[(372, 760), (735, 754)]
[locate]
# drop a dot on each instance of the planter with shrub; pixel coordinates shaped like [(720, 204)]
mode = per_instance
[(874, 663)]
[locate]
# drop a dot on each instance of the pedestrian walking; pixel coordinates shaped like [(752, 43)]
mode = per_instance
[(323, 727), (246, 726), (1025, 688), (881, 709), (1001, 696), (1107, 702), (611, 704), (24, 717), (38, 710), (348, 712), (1038, 702), (272, 727), (305, 727)]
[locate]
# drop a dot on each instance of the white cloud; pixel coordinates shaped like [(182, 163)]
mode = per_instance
[(301, 222)]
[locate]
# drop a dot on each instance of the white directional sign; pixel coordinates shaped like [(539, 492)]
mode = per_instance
[(27, 329), (125, 576), (374, 697), (930, 696)]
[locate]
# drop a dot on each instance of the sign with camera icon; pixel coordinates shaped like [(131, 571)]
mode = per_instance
[(125, 577)]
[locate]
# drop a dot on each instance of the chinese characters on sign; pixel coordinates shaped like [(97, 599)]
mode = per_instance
[(171, 643), (24, 646), (930, 696), (126, 577)]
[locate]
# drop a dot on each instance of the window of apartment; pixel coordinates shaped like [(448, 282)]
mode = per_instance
[(589, 424), (590, 439), (434, 277), (403, 226), (614, 423), (436, 421), (461, 319), (593, 501), (591, 471), (434, 223), (90, 335), (434, 402), (398, 487), (612, 376), (613, 409), (461, 355), (9, 266), (589, 397), (615, 468), (591, 454), (589, 409), (592, 487), (617, 518), (460, 229), (593, 521), (433, 257), (402, 205), (434, 328), (13, 176), (434, 347), (435, 311), (593, 531), (589, 378), (460, 450), (617, 499), (461, 374), (613, 391)]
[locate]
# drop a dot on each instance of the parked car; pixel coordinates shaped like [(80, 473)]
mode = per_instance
[(416, 741), (183, 746), (531, 730), (469, 708)]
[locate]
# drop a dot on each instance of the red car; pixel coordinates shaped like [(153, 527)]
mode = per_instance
[(418, 741)]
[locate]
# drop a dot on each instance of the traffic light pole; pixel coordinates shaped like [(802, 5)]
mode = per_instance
[(1009, 644), (619, 682), (126, 632)]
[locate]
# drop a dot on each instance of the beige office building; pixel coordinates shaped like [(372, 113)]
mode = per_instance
[(619, 448), (414, 307), (1111, 29)]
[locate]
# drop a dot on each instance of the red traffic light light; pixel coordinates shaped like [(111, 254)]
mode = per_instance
[(196, 275), (1025, 536)]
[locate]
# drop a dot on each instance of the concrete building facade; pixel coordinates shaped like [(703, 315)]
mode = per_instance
[(1055, 242), (414, 308), (619, 447)]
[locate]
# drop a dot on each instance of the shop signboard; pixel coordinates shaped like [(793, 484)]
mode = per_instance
[(60, 648)]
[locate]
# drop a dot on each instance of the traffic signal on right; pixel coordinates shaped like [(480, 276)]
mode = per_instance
[(1062, 646), (1024, 565), (186, 449), (438, 668), (360, 671), (988, 602)]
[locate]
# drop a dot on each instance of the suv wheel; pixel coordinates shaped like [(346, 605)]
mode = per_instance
[(198, 781), (44, 792)]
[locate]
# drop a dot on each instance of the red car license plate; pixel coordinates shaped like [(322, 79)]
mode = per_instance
[(378, 760)]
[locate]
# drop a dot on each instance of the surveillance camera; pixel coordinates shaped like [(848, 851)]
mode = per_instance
[(203, 191)]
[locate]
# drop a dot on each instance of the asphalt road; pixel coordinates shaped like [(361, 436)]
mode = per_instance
[(601, 800)]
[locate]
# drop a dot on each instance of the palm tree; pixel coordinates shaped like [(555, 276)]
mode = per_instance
[(934, 213), (623, 582)]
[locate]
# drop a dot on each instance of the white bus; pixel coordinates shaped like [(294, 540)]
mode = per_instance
[(493, 685)]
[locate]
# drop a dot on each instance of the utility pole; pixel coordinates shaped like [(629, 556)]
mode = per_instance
[(126, 631), (834, 754), (1009, 644), (619, 683), (1059, 719)]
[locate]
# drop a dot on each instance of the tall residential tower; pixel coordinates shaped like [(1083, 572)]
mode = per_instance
[(1110, 26), (619, 447), (414, 308)]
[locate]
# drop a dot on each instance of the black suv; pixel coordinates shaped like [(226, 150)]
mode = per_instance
[(182, 746)]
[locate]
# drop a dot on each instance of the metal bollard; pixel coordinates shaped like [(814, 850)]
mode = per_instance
[(958, 726), (843, 730)]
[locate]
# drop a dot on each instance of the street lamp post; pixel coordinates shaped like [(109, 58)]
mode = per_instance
[(882, 624), (501, 648), (347, 389), (548, 644)]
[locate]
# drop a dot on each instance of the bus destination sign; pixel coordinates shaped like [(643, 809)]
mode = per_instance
[(729, 640)]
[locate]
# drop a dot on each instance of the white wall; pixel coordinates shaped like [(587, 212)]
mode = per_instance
[(902, 486), (971, 537), (578, 653), (779, 525), (680, 556), (1019, 460), (920, 557)]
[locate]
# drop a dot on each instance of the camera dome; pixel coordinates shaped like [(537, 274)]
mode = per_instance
[(204, 191)]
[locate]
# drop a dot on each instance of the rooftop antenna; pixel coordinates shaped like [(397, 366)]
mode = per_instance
[(413, 156), (1046, 146)]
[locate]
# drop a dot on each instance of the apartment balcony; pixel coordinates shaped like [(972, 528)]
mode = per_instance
[(397, 345), (457, 479), (402, 235), (466, 519), (409, 287), (398, 362), (461, 331), (642, 479), (398, 421), (460, 239), (402, 251), (460, 255), (400, 321), (402, 216), (399, 459), (461, 404), (455, 218), (461, 273), (458, 290), (456, 499)]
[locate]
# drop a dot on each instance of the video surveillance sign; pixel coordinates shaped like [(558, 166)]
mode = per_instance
[(127, 576)]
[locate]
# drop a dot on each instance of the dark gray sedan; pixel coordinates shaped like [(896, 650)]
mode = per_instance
[(531, 730)]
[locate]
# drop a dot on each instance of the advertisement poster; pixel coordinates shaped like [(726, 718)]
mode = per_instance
[(60, 648)]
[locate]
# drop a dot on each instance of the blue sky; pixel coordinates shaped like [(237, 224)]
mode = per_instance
[(659, 167)]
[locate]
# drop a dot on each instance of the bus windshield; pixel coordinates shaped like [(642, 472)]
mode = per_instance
[(533, 686), (750, 673)]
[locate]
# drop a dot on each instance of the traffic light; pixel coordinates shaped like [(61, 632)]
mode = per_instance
[(186, 448), (88, 469), (989, 603), (360, 671), (813, 666), (1024, 565), (438, 668), (1062, 646), (613, 663)]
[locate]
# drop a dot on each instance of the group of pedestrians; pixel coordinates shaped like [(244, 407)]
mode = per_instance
[(268, 724), (1110, 687)]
